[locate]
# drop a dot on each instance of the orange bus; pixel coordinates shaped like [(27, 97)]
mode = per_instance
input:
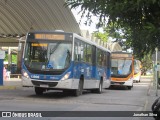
[(122, 69)]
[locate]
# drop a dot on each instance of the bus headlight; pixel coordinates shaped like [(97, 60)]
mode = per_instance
[(25, 74), (66, 76)]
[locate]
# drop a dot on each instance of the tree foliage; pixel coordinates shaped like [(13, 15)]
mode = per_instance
[(14, 58), (146, 62), (102, 36), (138, 19)]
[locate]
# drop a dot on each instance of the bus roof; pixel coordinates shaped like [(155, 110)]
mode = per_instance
[(91, 42), (74, 35)]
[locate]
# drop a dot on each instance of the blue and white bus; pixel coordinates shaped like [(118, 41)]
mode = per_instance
[(64, 61)]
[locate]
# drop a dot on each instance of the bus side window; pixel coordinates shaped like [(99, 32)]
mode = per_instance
[(89, 54), (77, 51), (104, 59), (99, 57), (108, 60), (93, 55), (84, 52)]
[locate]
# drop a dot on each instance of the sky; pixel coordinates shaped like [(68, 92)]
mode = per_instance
[(90, 28)]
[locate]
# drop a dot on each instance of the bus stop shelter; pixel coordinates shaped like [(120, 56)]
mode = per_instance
[(17, 17)]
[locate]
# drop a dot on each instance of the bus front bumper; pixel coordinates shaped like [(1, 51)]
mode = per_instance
[(61, 84), (122, 83)]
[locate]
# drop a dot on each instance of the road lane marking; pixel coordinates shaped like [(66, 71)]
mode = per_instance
[(145, 105)]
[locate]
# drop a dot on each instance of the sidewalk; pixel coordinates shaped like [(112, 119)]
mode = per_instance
[(151, 96), (13, 83)]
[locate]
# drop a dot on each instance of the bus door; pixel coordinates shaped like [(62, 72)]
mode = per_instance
[(101, 64), (82, 60)]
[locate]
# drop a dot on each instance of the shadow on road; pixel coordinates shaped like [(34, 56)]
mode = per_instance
[(56, 95), (118, 88)]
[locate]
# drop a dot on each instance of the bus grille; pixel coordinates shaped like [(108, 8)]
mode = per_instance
[(50, 84), (118, 83)]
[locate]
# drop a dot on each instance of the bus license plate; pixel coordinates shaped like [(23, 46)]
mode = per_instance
[(43, 85), (116, 83)]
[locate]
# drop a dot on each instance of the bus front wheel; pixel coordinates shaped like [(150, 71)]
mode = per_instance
[(129, 87), (39, 91), (79, 91), (99, 90)]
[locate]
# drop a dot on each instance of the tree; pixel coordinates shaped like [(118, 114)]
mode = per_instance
[(102, 36), (139, 20), (146, 63), (117, 35), (14, 58)]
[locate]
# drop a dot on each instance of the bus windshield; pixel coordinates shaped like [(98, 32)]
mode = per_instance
[(121, 67), (47, 56)]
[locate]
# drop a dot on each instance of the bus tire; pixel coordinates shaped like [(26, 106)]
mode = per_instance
[(99, 90), (39, 91), (129, 87), (67, 92), (78, 91)]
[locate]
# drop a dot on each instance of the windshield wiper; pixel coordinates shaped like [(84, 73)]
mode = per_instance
[(52, 50)]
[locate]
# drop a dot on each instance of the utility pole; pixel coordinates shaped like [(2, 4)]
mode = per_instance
[(156, 49)]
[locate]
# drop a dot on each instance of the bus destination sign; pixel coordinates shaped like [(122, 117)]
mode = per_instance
[(121, 55), (49, 36)]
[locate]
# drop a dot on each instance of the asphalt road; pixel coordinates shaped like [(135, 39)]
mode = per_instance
[(115, 99)]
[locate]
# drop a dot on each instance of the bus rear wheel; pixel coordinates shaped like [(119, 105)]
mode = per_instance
[(39, 91)]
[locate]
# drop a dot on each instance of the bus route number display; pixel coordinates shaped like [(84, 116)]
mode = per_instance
[(121, 55), (49, 36)]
